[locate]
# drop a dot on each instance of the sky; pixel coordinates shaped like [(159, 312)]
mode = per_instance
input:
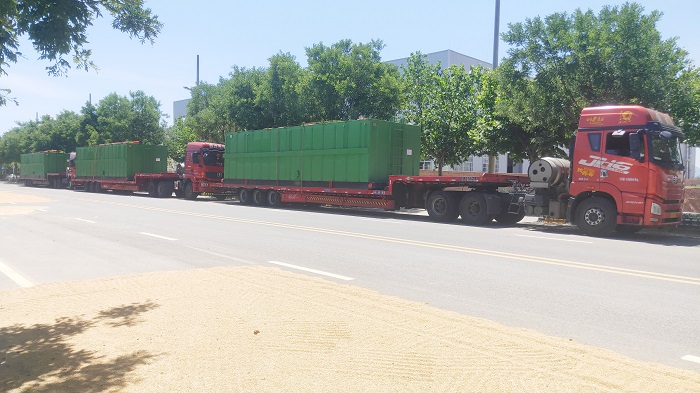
[(227, 33)]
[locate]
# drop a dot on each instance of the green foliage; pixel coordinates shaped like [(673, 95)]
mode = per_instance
[(562, 63), (686, 104), (177, 137), (280, 92), (114, 119), (59, 28), (344, 81), (349, 81), (233, 104), (447, 104), (121, 118)]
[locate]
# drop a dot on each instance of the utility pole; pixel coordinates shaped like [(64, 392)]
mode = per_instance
[(492, 159)]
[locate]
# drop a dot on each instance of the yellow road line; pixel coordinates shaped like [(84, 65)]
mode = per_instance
[(418, 243)]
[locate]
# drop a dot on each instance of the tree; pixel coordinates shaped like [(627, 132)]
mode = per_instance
[(114, 119), (231, 105), (59, 28), (121, 118), (418, 81), (241, 98), (445, 103), (177, 137), (348, 81), (563, 63), (46, 134), (685, 103), (88, 126), (280, 94)]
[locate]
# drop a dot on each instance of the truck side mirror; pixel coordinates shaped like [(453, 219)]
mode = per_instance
[(636, 146)]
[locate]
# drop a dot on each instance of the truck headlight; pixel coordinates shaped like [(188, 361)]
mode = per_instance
[(655, 209)]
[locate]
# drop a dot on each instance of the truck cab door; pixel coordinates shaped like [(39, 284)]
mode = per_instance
[(586, 164), (622, 169)]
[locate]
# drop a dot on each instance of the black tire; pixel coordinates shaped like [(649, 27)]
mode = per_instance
[(179, 194), (165, 189), (244, 196), (596, 217), (506, 218), (96, 187), (152, 189), (473, 209), (258, 197), (442, 206), (274, 199), (189, 192)]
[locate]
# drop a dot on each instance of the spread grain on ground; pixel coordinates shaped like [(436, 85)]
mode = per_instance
[(258, 329)]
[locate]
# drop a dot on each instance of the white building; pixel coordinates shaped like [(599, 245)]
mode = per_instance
[(689, 155), (180, 108)]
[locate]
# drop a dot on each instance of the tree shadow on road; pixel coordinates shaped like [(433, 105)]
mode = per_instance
[(41, 357)]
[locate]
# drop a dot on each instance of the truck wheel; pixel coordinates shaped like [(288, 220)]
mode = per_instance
[(96, 187), (258, 197), (244, 196), (472, 208), (442, 206), (152, 189), (596, 216), (165, 189), (274, 199), (506, 218), (189, 192)]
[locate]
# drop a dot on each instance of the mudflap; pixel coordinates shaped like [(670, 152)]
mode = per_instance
[(493, 203)]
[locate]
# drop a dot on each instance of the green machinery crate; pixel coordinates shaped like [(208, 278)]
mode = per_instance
[(356, 151), (38, 165), (120, 160)]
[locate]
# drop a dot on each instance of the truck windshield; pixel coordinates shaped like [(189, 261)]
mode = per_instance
[(666, 151), (213, 158)]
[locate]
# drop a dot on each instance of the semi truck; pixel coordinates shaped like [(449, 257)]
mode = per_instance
[(44, 168), (202, 171), (624, 173), (132, 166)]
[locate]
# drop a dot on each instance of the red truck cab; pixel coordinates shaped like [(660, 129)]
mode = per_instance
[(203, 170), (625, 163)]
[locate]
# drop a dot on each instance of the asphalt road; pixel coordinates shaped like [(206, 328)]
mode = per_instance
[(637, 295)]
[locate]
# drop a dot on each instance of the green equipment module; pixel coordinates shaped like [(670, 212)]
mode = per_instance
[(120, 160), (349, 153)]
